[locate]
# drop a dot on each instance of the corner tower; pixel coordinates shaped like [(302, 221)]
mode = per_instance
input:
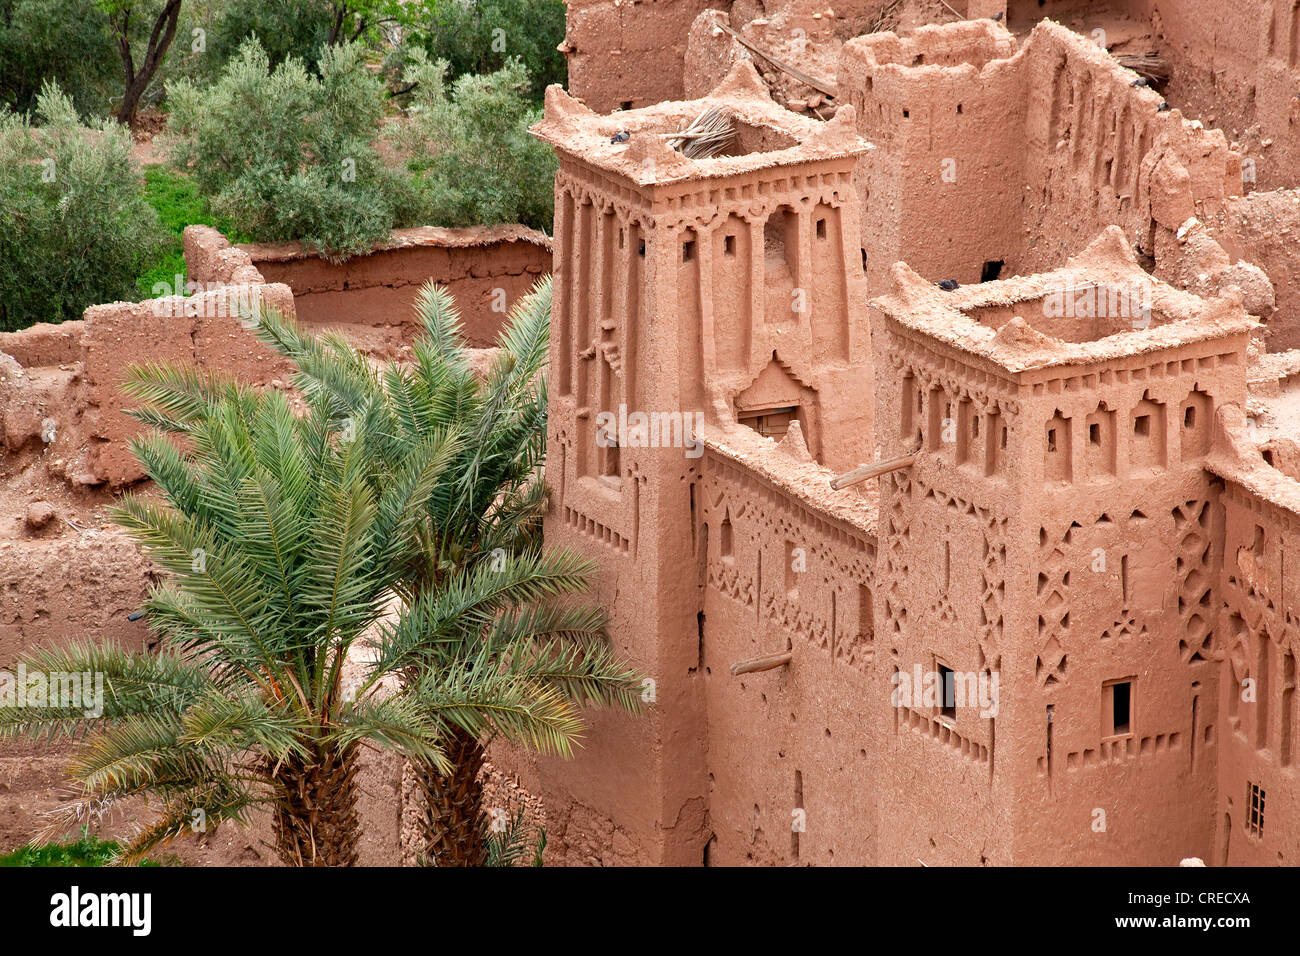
[(686, 291), (1059, 529)]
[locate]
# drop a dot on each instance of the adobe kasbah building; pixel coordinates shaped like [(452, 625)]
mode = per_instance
[(937, 438)]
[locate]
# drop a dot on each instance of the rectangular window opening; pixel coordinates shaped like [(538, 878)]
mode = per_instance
[(947, 692), (1117, 708), (1120, 700), (1255, 812)]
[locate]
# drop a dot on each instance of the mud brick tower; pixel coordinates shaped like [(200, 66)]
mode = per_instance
[(717, 290), (1066, 521)]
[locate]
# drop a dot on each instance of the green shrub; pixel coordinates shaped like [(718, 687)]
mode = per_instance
[(63, 41), (471, 152), (86, 851), (76, 230), (480, 36), (283, 154)]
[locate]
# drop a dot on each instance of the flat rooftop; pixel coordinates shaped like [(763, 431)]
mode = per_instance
[(767, 135), (1099, 306)]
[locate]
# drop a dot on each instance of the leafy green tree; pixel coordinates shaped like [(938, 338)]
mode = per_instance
[(283, 154), (473, 157), (60, 41), (280, 554), (481, 36), (485, 605), (126, 18), (284, 28), (76, 230)]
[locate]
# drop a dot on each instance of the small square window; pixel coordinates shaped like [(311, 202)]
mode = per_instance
[(821, 228), (688, 251), (1142, 425), (1255, 809), (1189, 417), (729, 245), (1094, 434)]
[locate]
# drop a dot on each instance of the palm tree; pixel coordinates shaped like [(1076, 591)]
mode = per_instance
[(486, 607), (282, 554)]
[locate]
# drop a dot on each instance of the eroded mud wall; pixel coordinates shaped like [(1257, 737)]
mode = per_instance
[(373, 297)]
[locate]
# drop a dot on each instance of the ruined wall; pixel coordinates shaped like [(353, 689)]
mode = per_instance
[(204, 330), (626, 54), (1241, 73), (1238, 73), (69, 573), (1262, 227), (995, 160), (1101, 152), (946, 107), (485, 269)]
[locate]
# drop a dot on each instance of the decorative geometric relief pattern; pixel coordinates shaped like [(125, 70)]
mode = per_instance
[(838, 563), (1195, 581), (894, 566), (993, 577), (1053, 607)]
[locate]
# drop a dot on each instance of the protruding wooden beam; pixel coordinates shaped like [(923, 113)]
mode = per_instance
[(873, 470), (821, 86), (753, 664)]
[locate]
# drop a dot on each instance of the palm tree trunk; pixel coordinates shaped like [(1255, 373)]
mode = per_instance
[(454, 825), (316, 821)]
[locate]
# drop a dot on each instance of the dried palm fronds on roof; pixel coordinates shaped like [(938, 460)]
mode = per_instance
[(708, 135), (1146, 65)]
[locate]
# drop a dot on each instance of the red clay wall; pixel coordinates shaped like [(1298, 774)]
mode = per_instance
[(485, 269), (629, 53), (1259, 729), (1078, 549), (947, 108), (204, 330), (782, 573), (989, 154)]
